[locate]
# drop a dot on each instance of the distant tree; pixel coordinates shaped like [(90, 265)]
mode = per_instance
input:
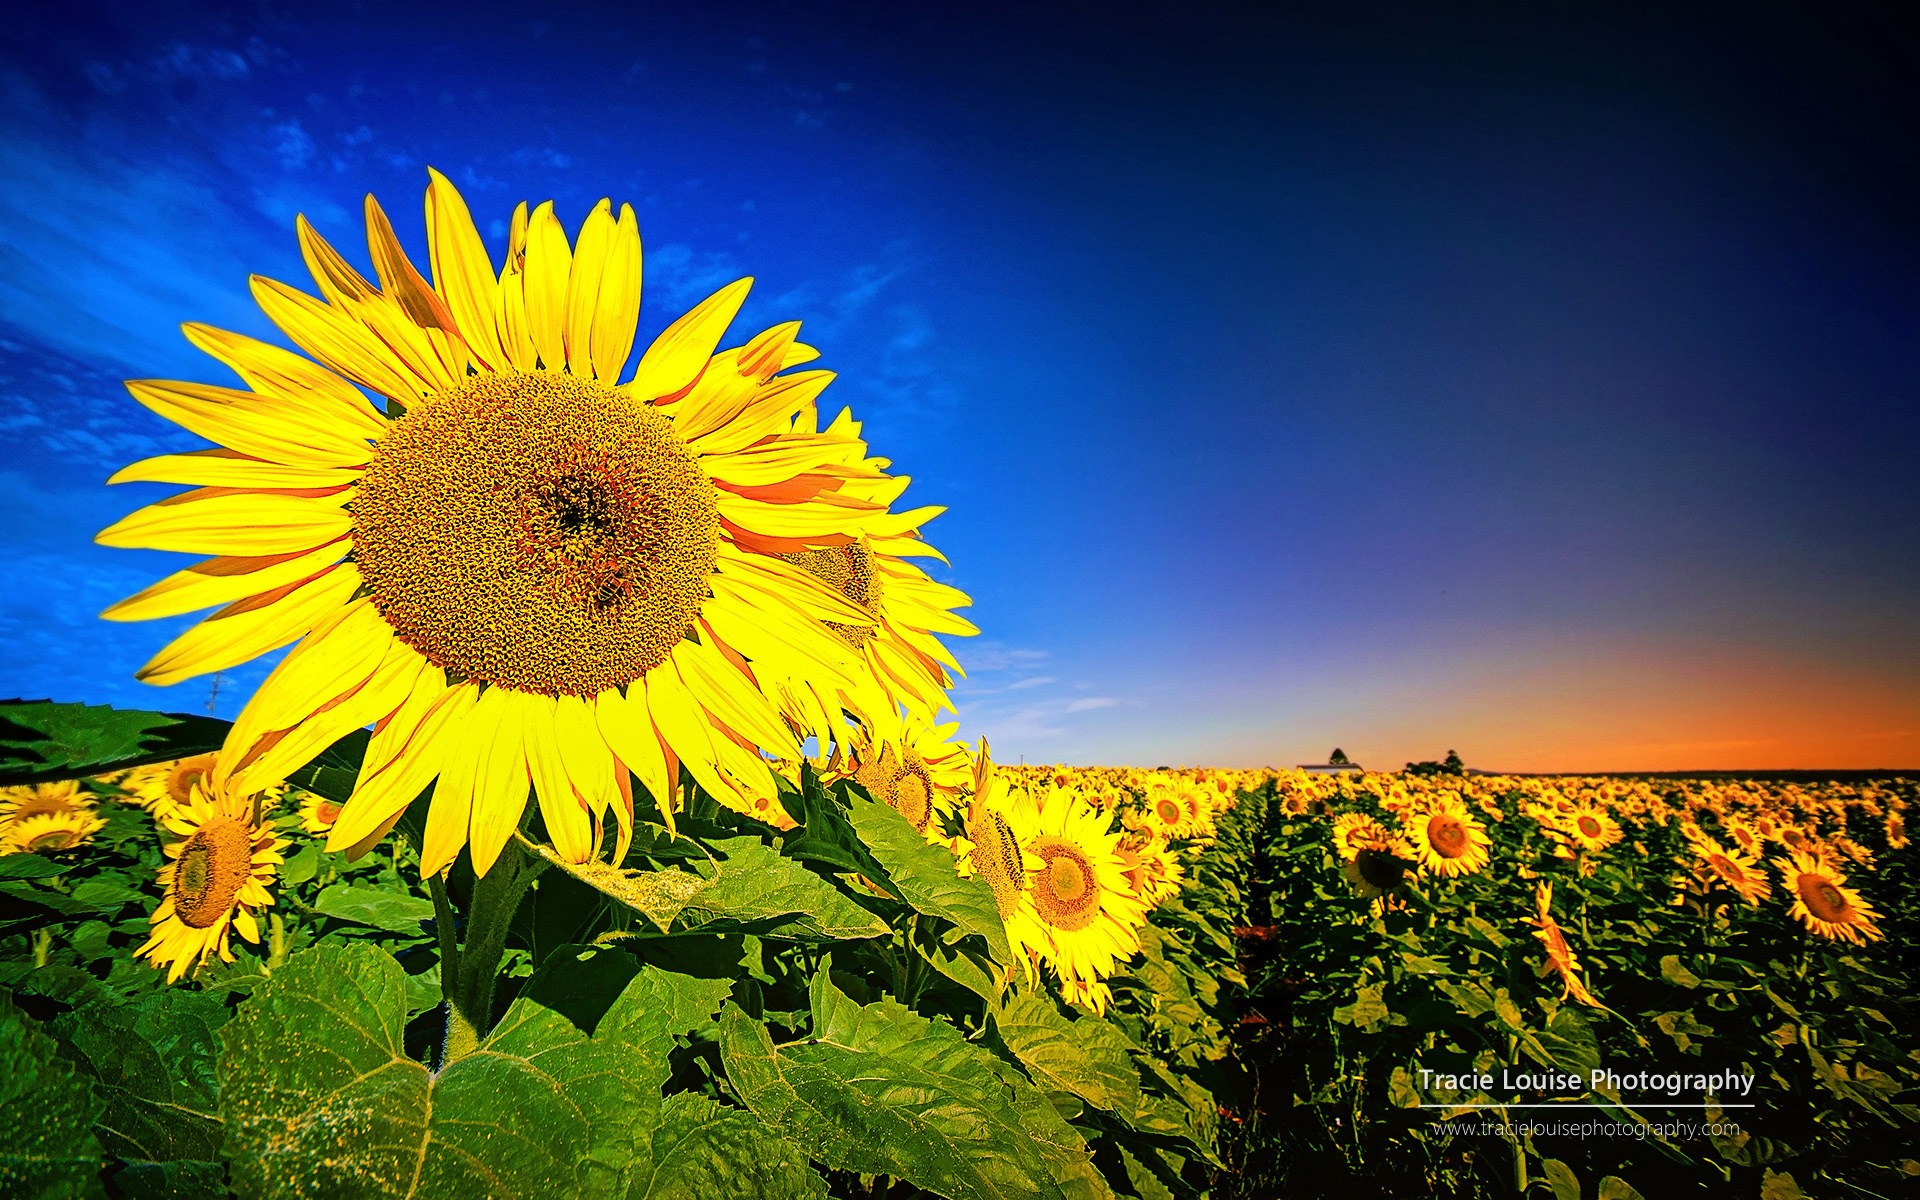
[(1451, 766), (1338, 758)]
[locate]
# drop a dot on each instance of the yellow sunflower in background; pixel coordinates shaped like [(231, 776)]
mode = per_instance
[(1153, 869), (1354, 830), (317, 813), (1380, 863), (911, 766), (1896, 829), (1591, 829), (1447, 840), (1823, 901), (44, 831), (525, 571), (906, 665), (43, 799), (992, 851), (1077, 912), (1735, 870), (162, 787), (1163, 814), (220, 867)]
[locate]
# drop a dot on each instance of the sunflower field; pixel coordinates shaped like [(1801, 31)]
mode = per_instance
[(597, 834)]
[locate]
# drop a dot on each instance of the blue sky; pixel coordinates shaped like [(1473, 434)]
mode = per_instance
[(1541, 385)]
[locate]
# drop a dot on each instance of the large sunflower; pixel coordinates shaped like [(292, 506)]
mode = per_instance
[(221, 863), (1737, 871), (525, 571), (910, 765), (1447, 839), (1822, 900)]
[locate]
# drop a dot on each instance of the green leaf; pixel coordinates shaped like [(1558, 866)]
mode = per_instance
[(825, 833), (1569, 1042), (41, 741), (319, 1097), (30, 866), (1087, 1057), (1560, 1177), (302, 865), (47, 1110), (1613, 1187), (758, 891), (1368, 1012), (882, 1091), (656, 895), (154, 1060), (925, 876), (702, 1150), (333, 772), (639, 1009), (186, 1179), (394, 912), (1673, 972)]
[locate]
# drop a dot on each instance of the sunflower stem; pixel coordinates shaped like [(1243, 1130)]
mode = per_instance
[(496, 898)]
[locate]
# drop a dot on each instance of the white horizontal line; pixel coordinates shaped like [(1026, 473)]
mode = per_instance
[(1622, 1104)]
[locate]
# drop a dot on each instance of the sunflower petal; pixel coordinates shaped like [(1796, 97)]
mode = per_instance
[(549, 263), (270, 370), (339, 341), (626, 725), (462, 273), (616, 311), (500, 778), (678, 356), (415, 744), (244, 523), (253, 424), (221, 642)]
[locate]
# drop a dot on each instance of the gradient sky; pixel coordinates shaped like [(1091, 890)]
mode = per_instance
[(1535, 381)]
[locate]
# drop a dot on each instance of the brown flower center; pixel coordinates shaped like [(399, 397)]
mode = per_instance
[(186, 773), (1066, 892), (54, 839), (1590, 826), (212, 867), (1447, 835), (848, 570), (1379, 869), (997, 860), (1169, 811), (541, 532), (1824, 900), (912, 798)]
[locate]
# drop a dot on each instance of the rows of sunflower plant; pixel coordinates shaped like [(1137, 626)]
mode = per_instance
[(1438, 965), (863, 1004)]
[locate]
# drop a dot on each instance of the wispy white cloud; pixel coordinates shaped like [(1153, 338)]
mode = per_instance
[(1090, 703), (1033, 682)]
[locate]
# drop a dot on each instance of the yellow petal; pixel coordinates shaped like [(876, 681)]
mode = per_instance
[(683, 725), (222, 581), (413, 745), (220, 641), (773, 405), (270, 370), (583, 286), (549, 263), (510, 314), (340, 654), (338, 340), (678, 356), (230, 468), (500, 779), (451, 810), (462, 273), (404, 338), (253, 424), (627, 728), (399, 668), (243, 523), (616, 310), (723, 691), (568, 826)]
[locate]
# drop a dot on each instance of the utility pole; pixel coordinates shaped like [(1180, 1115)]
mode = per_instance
[(213, 692)]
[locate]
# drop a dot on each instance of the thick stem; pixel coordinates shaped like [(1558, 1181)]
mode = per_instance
[(496, 897)]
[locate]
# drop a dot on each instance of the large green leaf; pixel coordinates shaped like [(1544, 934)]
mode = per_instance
[(1087, 1057), (320, 1098), (47, 1110), (925, 876), (155, 1063), (758, 891), (659, 896), (637, 1009), (41, 740), (380, 908), (881, 1090), (702, 1150), (825, 834)]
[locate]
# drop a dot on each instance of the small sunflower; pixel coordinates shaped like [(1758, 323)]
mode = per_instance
[(1560, 956), (1379, 865), (1737, 871), (1896, 829), (1164, 812), (1447, 839), (1354, 830), (160, 788), (1822, 900), (42, 800), (317, 813), (1153, 869), (44, 831), (914, 769), (217, 878), (1591, 829)]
